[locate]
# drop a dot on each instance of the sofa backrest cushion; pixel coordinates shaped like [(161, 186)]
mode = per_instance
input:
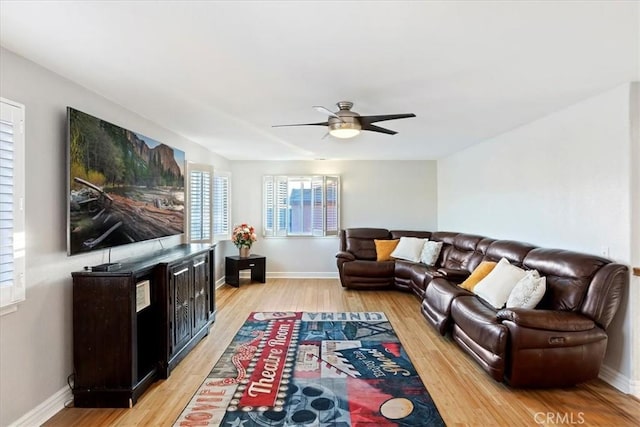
[(360, 241), (446, 237), (462, 249), (515, 252), (479, 254), (396, 234), (568, 274)]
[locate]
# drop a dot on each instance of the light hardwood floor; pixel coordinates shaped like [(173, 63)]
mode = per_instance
[(463, 393)]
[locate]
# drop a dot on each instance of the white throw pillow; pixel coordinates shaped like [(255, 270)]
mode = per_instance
[(430, 252), (528, 292), (408, 248), (497, 286)]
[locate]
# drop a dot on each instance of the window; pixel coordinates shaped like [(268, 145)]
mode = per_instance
[(221, 204), (200, 187), (12, 225), (301, 205)]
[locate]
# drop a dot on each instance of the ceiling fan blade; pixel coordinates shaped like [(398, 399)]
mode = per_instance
[(324, 110), (384, 117), (303, 124), (374, 128)]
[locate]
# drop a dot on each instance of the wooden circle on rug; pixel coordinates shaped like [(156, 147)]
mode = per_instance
[(396, 408)]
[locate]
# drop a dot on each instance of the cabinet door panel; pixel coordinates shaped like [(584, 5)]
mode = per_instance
[(181, 289), (201, 292)]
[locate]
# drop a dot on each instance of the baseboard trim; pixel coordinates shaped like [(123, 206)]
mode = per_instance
[(221, 281), (617, 380), (47, 409), (295, 275), (635, 388)]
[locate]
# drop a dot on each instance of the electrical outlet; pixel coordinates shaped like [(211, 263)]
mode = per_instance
[(604, 251)]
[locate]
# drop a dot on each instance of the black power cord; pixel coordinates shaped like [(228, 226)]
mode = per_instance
[(69, 403)]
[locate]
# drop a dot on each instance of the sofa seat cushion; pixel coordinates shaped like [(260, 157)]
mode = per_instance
[(477, 331), (479, 322), (414, 276), (365, 268), (436, 305), (454, 275)]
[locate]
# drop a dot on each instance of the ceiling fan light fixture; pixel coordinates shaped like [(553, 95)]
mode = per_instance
[(344, 130), (345, 124)]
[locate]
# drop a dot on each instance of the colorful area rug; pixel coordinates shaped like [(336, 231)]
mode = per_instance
[(313, 369)]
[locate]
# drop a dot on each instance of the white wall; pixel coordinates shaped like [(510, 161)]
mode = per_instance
[(562, 181), (387, 194), (36, 351), (634, 293)]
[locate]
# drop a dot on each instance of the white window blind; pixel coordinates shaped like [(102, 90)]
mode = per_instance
[(268, 208), (332, 203), (200, 201), (281, 204), (301, 205), (12, 225), (318, 206), (221, 206)]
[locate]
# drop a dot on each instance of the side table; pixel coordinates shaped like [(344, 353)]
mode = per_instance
[(255, 263)]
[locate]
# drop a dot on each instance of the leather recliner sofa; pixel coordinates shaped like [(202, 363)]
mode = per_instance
[(559, 343)]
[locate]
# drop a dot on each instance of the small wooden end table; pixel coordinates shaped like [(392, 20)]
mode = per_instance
[(255, 263)]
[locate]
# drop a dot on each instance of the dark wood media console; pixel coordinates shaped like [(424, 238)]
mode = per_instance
[(135, 322)]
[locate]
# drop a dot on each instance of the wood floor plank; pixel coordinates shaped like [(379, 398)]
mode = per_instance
[(464, 394)]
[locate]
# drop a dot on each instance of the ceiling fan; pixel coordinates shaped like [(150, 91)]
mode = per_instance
[(345, 123)]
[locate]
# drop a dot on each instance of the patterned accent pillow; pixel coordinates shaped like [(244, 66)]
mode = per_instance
[(430, 252), (528, 292)]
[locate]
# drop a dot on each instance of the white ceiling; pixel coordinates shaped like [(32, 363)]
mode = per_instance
[(221, 73)]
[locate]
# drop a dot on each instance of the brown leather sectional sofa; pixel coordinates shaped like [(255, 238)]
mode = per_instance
[(561, 342)]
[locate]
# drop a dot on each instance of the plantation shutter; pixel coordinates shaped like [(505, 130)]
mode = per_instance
[(221, 217), (200, 218), (324, 206), (332, 191), (268, 226), (12, 239), (282, 205), (317, 206), (276, 207)]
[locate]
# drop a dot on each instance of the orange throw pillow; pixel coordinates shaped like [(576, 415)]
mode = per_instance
[(478, 274), (384, 249)]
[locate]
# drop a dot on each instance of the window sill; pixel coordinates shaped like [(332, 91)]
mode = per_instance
[(8, 309)]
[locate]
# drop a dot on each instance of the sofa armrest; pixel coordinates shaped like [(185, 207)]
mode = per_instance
[(346, 256), (454, 274), (550, 320)]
